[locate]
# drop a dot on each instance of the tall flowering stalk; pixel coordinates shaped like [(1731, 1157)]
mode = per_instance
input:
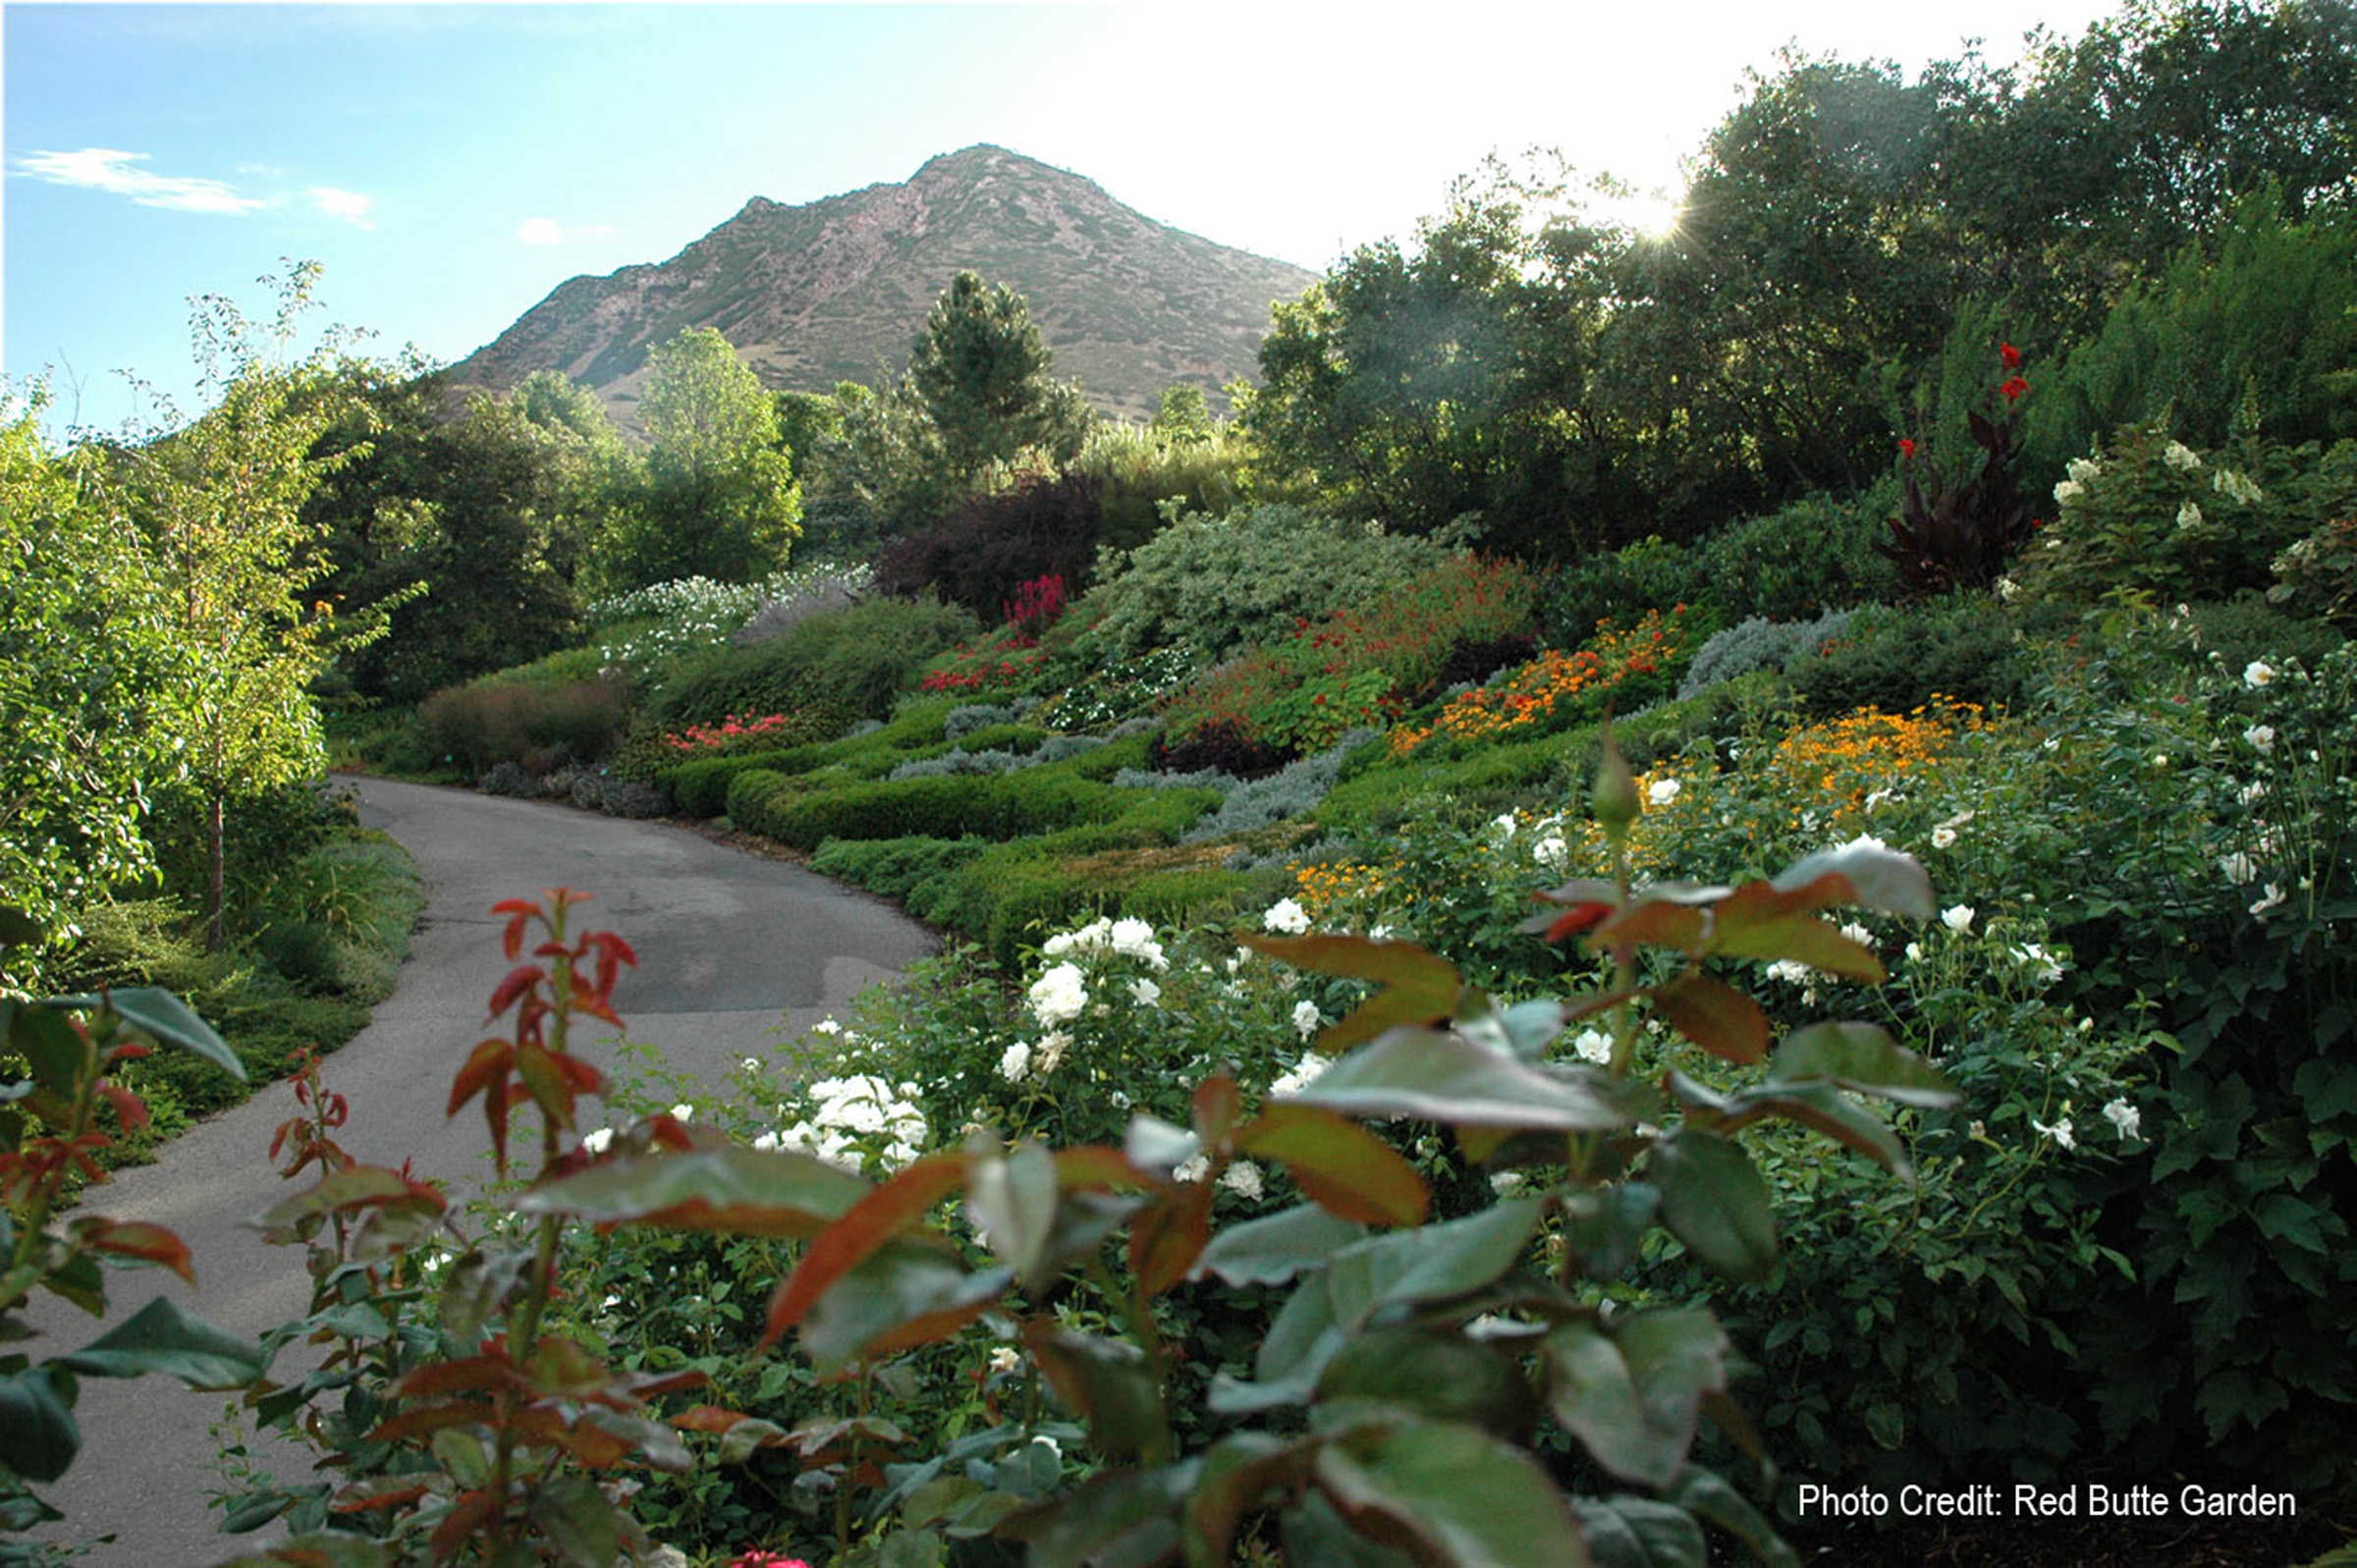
[(1960, 532)]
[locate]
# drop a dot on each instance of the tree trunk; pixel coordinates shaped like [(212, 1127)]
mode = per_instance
[(214, 936)]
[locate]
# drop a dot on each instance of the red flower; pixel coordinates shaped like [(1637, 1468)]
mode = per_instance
[(2009, 355), (2014, 389), (1906, 449)]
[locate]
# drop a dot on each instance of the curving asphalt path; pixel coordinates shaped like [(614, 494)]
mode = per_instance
[(730, 946)]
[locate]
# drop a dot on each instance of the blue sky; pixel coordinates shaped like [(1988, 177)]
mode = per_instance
[(450, 164)]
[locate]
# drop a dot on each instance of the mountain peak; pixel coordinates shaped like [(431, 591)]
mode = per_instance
[(838, 289)]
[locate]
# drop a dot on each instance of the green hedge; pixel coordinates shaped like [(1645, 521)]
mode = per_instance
[(995, 806)]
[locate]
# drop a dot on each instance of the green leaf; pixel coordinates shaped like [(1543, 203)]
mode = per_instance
[(1714, 1201), (160, 1337), (1757, 921), (1447, 1078), (1168, 1234), (477, 1286), (1605, 1226), (1012, 1201), (157, 1012), (1314, 1532), (1633, 1392), (1863, 1058), (879, 1216), (319, 1551), (37, 1434), (1431, 1262), (573, 1516), (1828, 1110), (1525, 1030), (1273, 1249), (1704, 1494), (1635, 1533), (1417, 987), (1120, 1518), (1153, 1144), (906, 1293), (1468, 1499), (1340, 1164), (18, 929), (1876, 878), (1238, 1472), (762, 1192), (1106, 1383), (1715, 1016), (1432, 1373)]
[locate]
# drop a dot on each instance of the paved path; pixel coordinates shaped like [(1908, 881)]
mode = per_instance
[(727, 944)]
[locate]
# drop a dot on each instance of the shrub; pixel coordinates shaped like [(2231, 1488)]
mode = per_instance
[(2318, 576), (481, 725), (1761, 645), (984, 805), (855, 661), (983, 552), (811, 592), (1900, 658), (1217, 583), (1802, 560), (1612, 585), (1960, 533)]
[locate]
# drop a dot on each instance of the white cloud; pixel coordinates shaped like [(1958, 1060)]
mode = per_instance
[(549, 232), (110, 170), (349, 205)]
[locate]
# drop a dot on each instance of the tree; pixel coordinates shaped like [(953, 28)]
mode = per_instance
[(1183, 418), (714, 496), (218, 507), (980, 373), (484, 513), (79, 662)]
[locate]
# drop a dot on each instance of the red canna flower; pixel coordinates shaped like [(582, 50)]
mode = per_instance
[(1906, 449), (2014, 389)]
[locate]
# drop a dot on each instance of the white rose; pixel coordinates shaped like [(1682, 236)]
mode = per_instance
[(2124, 1116), (1147, 993), (2258, 672), (2060, 1132), (598, 1142), (2273, 895), (1286, 917), (1014, 1062), (2238, 868), (1941, 838), (1593, 1045), (1661, 791), (1306, 1019), (1060, 995), (1244, 1179), (2262, 737), (1957, 918)]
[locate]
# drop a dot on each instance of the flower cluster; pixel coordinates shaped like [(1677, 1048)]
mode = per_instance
[(1007, 661), (1574, 682), (853, 1119), (1870, 756), (728, 734)]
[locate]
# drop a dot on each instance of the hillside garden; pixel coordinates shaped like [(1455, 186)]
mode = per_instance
[(1679, 878)]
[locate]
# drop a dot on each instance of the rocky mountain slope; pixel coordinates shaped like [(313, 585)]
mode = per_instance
[(838, 289)]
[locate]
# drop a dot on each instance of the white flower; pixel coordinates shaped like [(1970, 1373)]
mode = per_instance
[(1244, 1179), (2254, 792), (825, 1026), (2044, 964), (2238, 868), (1380, 933), (1661, 791), (1060, 995), (1957, 918), (1914, 951), (1552, 852), (2274, 896), (2262, 737), (1193, 1169), (1004, 1361), (2007, 589), (1286, 917), (1052, 1046), (1304, 1073), (598, 1142), (2083, 470), (1941, 838), (2227, 482), (1858, 934), (1306, 1019), (1014, 1062), (1147, 993), (2124, 1116), (1135, 939), (768, 1142), (1792, 971), (753, 1065), (683, 1111), (1864, 840), (2069, 491), (2180, 456), (1593, 1045), (2060, 1132), (2189, 515), (1501, 828), (2258, 672), (1505, 1182)]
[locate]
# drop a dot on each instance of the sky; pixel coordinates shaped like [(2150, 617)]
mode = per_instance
[(450, 164)]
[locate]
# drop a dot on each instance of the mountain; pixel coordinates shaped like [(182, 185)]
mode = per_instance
[(838, 289)]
